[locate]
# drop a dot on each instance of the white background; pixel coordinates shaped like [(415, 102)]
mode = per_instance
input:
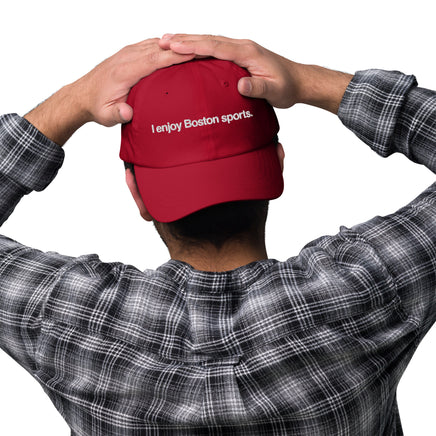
[(331, 178)]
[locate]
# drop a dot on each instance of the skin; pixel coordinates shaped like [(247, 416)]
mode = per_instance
[(279, 80), (100, 96)]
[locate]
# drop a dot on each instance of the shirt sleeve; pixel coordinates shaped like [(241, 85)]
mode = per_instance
[(387, 111), (28, 161), (391, 114)]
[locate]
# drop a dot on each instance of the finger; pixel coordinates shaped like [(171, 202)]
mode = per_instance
[(219, 49), (165, 58), (150, 61), (169, 38)]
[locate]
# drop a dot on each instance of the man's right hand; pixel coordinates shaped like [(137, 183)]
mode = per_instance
[(279, 80), (101, 95)]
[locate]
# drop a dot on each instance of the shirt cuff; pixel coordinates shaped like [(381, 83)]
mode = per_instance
[(27, 156), (371, 106)]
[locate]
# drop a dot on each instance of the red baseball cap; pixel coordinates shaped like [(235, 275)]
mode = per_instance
[(195, 141)]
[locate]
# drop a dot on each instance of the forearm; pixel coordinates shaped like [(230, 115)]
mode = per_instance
[(61, 115), (30, 155)]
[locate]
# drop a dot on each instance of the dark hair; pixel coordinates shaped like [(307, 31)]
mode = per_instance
[(219, 223)]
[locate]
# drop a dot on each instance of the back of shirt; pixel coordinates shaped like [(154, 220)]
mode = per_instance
[(314, 345)]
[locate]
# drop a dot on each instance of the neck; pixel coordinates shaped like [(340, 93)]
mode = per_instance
[(230, 256)]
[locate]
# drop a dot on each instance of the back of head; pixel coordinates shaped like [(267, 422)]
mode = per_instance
[(195, 144)]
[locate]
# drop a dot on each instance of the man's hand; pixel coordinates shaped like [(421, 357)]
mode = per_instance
[(101, 94), (275, 78)]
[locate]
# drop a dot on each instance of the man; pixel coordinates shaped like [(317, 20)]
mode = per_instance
[(222, 340)]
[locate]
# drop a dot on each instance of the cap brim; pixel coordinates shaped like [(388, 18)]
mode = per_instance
[(173, 193)]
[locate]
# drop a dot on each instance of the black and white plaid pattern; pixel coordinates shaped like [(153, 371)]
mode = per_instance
[(315, 345)]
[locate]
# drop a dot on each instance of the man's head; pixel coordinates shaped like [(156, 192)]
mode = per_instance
[(204, 161)]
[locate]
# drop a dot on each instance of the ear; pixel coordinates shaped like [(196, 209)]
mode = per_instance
[(133, 187), (281, 155)]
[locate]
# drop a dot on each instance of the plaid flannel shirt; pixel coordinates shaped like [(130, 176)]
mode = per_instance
[(315, 345)]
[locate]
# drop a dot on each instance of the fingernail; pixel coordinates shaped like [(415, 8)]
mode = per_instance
[(168, 36), (244, 86)]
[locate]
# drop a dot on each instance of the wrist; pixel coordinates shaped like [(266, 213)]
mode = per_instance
[(321, 87), (60, 115)]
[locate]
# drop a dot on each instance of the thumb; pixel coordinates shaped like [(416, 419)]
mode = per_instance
[(124, 111), (253, 87), (115, 114)]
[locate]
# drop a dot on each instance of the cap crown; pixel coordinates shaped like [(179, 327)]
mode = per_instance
[(191, 113)]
